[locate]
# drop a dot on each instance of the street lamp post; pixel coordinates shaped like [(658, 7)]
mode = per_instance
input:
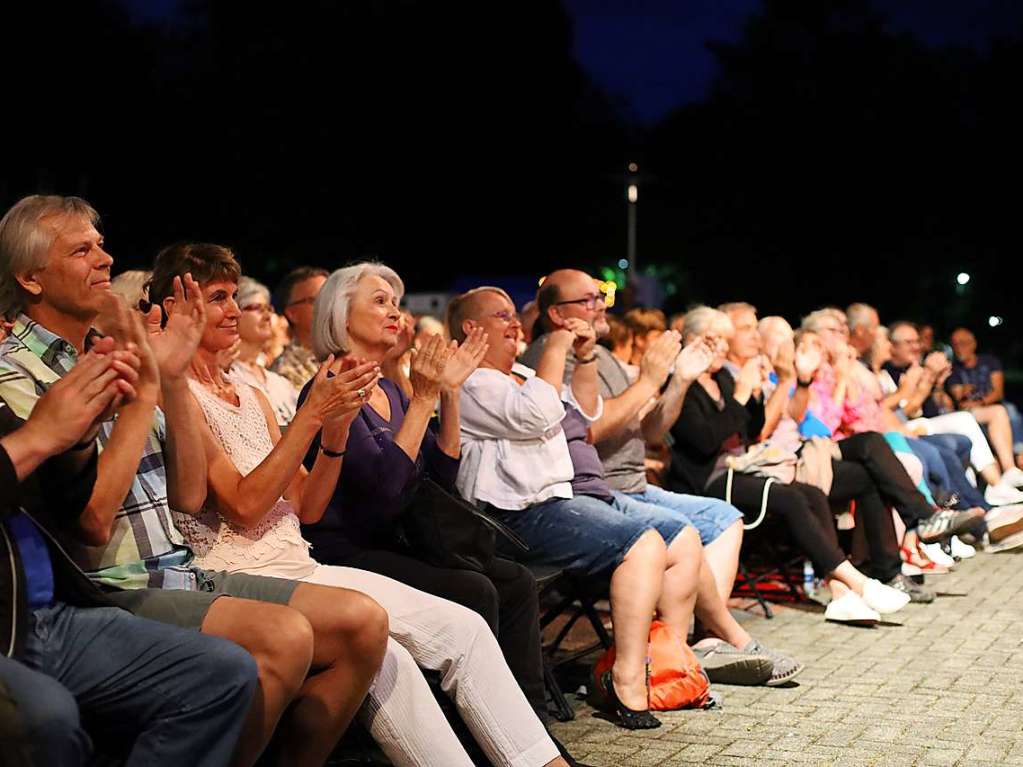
[(631, 197)]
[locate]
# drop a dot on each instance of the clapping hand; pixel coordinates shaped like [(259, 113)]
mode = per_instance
[(339, 389), (465, 358), (585, 337), (658, 358), (694, 360), (175, 344), (427, 369), (808, 359), (73, 408)]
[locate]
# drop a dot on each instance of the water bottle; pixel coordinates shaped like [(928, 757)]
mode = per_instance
[(808, 584)]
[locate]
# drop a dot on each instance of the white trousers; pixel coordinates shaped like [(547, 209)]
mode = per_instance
[(401, 712), (960, 423)]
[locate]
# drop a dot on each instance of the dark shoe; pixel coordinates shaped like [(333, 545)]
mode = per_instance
[(628, 718), (945, 523), (783, 668), (564, 753), (726, 664), (916, 592)]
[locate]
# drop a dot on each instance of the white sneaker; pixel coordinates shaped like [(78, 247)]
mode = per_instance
[(883, 598), (1002, 495), (937, 555), (910, 570), (1013, 477), (851, 608), (960, 549)]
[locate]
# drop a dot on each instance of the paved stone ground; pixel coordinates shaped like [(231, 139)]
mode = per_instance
[(943, 688)]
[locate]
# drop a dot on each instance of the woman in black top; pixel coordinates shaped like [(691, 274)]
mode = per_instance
[(721, 417)]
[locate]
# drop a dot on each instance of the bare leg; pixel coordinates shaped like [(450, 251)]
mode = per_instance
[(681, 579), (991, 474), (281, 641), (349, 640), (713, 613), (722, 556), (635, 589), (848, 575), (999, 432)]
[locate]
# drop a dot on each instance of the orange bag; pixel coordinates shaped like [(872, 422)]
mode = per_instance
[(676, 678)]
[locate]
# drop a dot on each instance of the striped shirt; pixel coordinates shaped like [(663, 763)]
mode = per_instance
[(145, 549)]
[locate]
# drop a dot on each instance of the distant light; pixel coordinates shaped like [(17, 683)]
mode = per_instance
[(633, 192), (623, 263), (962, 278), (633, 167), (994, 320)]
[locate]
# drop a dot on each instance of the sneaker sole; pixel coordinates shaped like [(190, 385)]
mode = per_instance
[(750, 671), (999, 534), (963, 526), (853, 621), (787, 678)]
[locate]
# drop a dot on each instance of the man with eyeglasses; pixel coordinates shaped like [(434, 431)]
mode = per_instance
[(620, 436), (294, 299)]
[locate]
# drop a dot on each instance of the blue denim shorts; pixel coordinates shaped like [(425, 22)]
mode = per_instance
[(585, 533), (710, 516)]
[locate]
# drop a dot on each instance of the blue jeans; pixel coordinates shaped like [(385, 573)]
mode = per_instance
[(710, 516), (944, 468), (176, 696), (585, 533)]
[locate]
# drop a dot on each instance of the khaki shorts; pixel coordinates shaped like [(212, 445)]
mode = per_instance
[(188, 609)]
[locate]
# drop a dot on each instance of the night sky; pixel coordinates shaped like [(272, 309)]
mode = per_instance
[(792, 152)]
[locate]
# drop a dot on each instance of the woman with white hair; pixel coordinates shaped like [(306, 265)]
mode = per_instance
[(720, 418), (391, 448), (259, 494), (255, 332)]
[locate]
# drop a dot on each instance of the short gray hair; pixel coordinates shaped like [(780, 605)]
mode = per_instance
[(734, 307), (132, 286), (699, 320), (25, 241), (249, 288), (859, 314), (812, 321), (330, 312)]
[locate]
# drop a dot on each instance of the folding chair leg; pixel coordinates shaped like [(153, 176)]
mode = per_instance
[(563, 711), (755, 588)]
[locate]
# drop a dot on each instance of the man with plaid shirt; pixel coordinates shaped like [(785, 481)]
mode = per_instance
[(54, 283)]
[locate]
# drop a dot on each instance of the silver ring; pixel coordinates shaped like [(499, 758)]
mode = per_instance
[(361, 393)]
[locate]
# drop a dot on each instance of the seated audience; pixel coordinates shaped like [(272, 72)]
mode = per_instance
[(294, 299), (634, 415), (357, 314), (720, 418), (852, 461), (550, 479), (618, 341), (54, 277), (132, 287), (259, 494), (977, 381), (929, 411), (58, 671), (254, 335)]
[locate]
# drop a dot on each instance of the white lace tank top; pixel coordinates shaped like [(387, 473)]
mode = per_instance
[(274, 546)]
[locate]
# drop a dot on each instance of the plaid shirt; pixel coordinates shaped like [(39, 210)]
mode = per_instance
[(145, 550), (297, 364)]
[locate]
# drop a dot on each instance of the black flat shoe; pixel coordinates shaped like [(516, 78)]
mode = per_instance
[(628, 718)]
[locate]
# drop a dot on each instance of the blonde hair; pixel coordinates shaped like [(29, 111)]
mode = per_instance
[(463, 308), (131, 285)]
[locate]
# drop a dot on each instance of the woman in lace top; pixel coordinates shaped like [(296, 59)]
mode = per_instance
[(258, 495)]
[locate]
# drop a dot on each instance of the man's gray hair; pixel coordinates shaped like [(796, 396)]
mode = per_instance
[(700, 319), (859, 314), (25, 241), (734, 307), (330, 312)]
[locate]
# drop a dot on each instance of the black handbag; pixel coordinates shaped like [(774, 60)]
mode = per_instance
[(445, 530)]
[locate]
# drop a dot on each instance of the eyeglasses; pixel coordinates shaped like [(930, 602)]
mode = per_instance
[(261, 308), (590, 302), (506, 317)]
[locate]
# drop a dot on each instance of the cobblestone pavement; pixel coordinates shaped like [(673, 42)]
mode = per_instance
[(943, 688)]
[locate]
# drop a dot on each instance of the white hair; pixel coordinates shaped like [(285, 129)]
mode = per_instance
[(859, 314), (700, 319), (330, 312)]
